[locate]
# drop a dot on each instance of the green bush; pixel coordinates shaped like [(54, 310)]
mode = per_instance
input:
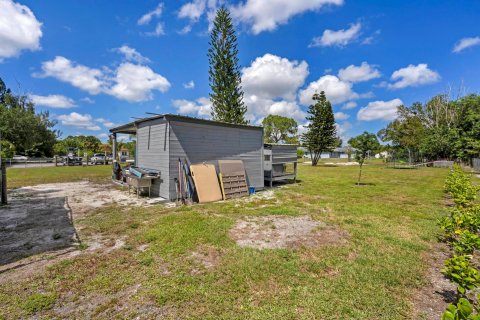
[(460, 219), (458, 270), (461, 230), (460, 188), (300, 153), (463, 310), (466, 243)]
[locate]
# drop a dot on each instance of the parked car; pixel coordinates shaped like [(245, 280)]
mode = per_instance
[(71, 160), (19, 157), (99, 158)]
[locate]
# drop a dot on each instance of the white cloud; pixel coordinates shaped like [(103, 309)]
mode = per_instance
[(132, 54), (259, 107), (105, 122), (130, 82), (192, 10), (264, 15), (185, 29), (341, 116), (270, 86), (336, 90), (379, 110), (159, 31), (413, 76), (53, 101), (135, 83), (82, 77), (19, 29), (148, 17), (87, 100), (272, 77), (155, 13), (361, 73), (103, 135), (77, 120), (189, 85), (202, 107), (342, 130), (466, 43), (195, 9), (349, 105), (337, 38)]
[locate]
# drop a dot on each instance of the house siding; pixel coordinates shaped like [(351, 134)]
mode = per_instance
[(152, 152), (198, 143)]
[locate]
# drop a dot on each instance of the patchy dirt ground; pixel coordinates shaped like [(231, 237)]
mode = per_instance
[(275, 232), (41, 218), (432, 299)]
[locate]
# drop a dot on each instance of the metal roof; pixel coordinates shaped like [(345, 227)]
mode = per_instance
[(131, 127)]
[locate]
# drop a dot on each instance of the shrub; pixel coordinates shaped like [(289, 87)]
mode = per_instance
[(460, 188), (463, 310), (466, 243), (460, 219), (458, 270)]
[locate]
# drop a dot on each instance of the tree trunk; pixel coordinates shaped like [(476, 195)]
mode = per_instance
[(360, 174), (315, 159), (409, 156)]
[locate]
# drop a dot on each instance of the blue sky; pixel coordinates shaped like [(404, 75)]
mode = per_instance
[(95, 64)]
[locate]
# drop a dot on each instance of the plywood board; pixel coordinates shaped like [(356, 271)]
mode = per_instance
[(206, 182)]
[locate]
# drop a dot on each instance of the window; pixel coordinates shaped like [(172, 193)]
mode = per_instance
[(267, 157)]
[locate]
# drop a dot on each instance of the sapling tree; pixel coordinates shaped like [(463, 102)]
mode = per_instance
[(321, 132), (364, 144)]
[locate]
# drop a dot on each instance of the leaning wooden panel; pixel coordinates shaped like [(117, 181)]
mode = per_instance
[(234, 185), (206, 182), (231, 166)]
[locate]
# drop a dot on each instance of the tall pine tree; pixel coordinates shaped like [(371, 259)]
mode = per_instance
[(321, 132), (224, 72)]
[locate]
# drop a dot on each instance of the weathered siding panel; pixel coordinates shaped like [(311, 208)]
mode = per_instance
[(152, 152), (208, 143)]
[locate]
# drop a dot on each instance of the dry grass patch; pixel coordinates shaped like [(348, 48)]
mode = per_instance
[(277, 232)]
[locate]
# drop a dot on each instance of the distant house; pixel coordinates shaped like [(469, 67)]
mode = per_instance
[(383, 155), (123, 154), (338, 153)]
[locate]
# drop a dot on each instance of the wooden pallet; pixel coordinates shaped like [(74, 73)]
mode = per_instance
[(234, 185)]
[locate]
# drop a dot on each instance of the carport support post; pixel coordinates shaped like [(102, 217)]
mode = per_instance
[(114, 152), (3, 176), (3, 181)]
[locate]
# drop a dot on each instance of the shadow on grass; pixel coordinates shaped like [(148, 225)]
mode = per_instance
[(277, 184), (34, 222)]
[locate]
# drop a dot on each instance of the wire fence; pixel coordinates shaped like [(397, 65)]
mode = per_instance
[(476, 165), (48, 162)]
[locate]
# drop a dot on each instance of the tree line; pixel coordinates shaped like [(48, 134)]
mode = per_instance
[(27, 132), (442, 128), (22, 129)]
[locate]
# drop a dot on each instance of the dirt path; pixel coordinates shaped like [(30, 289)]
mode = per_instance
[(42, 218)]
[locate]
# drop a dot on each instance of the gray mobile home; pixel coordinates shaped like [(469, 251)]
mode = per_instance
[(163, 139)]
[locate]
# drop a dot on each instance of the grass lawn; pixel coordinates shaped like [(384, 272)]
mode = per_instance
[(391, 224), (18, 177)]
